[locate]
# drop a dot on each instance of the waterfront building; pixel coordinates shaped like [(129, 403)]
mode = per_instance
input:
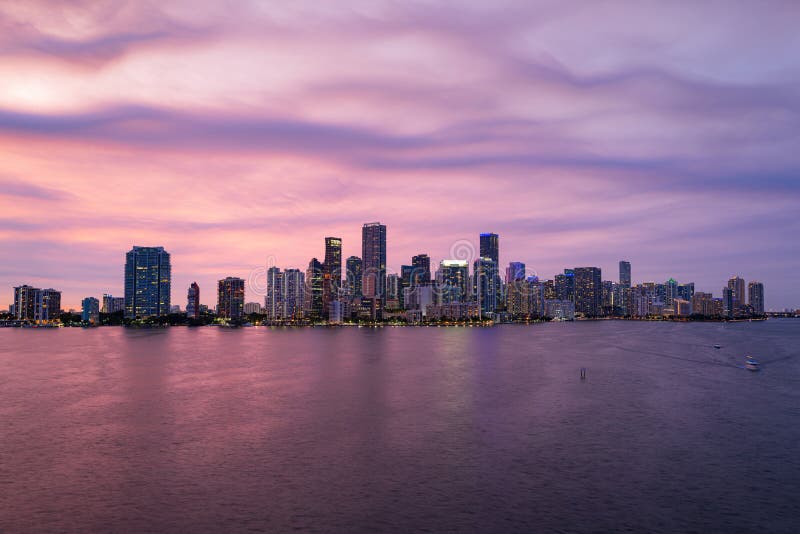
[(755, 292), (607, 297), (588, 291), (490, 247), (90, 310), (422, 270), (453, 311), (193, 301), (335, 312), (332, 271), (562, 310), (373, 258), (393, 291), (738, 297), (148, 278), (251, 308), (48, 305), (703, 304), (516, 288), (294, 282), (452, 281), (25, 302), (419, 298), (112, 304), (728, 302), (274, 299), (681, 307), (353, 276), (313, 293), (671, 291), (565, 285), (686, 291), (485, 284), (230, 298)]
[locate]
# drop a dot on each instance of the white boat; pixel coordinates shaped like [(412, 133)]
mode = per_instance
[(717, 346), (751, 364)]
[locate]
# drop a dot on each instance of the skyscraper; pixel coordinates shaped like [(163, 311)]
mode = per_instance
[(230, 298), (193, 301), (485, 278), (274, 300), (755, 292), (625, 274), (112, 304), (147, 282), (314, 289), (422, 270), (516, 288), (294, 282), (353, 276), (736, 285), (490, 247), (373, 257), (452, 281), (25, 302), (332, 274), (588, 291), (48, 305)]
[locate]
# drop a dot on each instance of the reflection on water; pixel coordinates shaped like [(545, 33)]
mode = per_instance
[(468, 429)]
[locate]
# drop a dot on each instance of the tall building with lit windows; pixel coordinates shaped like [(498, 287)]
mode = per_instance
[(490, 247), (230, 298), (421, 264), (452, 281), (294, 282), (332, 273), (588, 291), (353, 276), (625, 274), (148, 279), (738, 297), (373, 258), (274, 301)]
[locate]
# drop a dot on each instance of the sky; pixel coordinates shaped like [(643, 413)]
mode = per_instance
[(239, 134)]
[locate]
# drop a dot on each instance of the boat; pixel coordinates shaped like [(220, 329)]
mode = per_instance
[(751, 364), (717, 346)]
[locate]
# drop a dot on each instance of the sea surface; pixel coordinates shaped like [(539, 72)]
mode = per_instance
[(402, 429)]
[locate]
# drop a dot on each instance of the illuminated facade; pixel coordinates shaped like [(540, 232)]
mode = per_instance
[(148, 276), (230, 298), (193, 301), (373, 258), (588, 291)]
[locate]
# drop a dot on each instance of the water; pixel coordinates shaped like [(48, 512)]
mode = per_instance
[(401, 429)]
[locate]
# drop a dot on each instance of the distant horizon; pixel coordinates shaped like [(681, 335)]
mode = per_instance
[(234, 134)]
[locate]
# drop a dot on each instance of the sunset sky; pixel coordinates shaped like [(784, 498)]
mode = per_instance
[(237, 134)]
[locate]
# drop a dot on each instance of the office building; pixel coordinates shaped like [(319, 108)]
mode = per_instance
[(490, 247), (147, 282), (373, 258), (485, 284), (332, 272), (230, 298)]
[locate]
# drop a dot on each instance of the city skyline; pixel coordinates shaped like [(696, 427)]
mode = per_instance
[(672, 146)]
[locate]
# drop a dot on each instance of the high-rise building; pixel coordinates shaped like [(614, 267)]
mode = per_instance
[(274, 300), (25, 302), (703, 304), (332, 274), (588, 291), (48, 305), (294, 282), (36, 305), (193, 301), (148, 278), (686, 291), (112, 304), (607, 299), (515, 271), (90, 310), (490, 247), (755, 292), (353, 276), (671, 291), (452, 281), (728, 302), (625, 274), (373, 257), (230, 298), (736, 285), (565, 285), (422, 270), (314, 289), (393, 289), (485, 278)]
